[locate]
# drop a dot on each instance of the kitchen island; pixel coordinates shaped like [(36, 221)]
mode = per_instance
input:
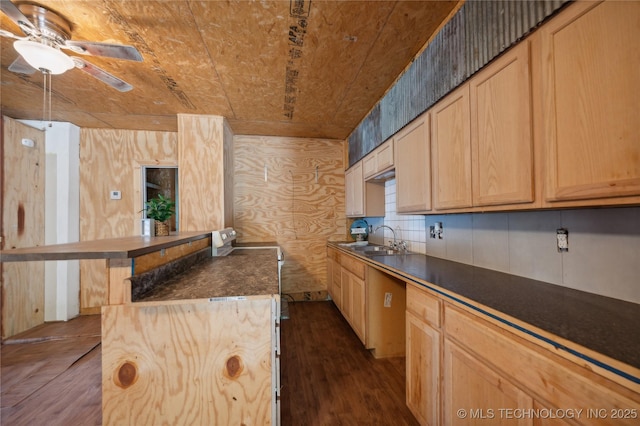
[(202, 347), (479, 339), (187, 338)]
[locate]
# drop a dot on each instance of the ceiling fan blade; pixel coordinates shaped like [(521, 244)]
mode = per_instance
[(109, 50), (5, 33), (12, 11), (102, 75), (21, 66)]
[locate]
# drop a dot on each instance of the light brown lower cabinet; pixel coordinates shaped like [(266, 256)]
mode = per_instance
[(352, 294), (371, 301), (353, 297), (423, 370), (475, 393), (334, 283), (491, 373)]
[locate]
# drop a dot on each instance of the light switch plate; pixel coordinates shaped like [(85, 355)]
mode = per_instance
[(115, 195)]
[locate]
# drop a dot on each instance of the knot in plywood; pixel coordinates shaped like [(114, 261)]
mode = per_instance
[(233, 367), (127, 375)]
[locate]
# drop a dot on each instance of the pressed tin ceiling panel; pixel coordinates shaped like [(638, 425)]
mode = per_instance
[(289, 68)]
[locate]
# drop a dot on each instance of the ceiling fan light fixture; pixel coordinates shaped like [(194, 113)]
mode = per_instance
[(43, 57)]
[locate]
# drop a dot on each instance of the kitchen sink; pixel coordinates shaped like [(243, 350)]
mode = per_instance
[(387, 252), (383, 251), (375, 250)]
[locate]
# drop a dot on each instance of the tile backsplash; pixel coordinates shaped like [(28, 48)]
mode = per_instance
[(604, 244)]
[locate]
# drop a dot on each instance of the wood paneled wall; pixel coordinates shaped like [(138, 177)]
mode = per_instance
[(286, 205), (205, 172), (112, 160), (23, 203)]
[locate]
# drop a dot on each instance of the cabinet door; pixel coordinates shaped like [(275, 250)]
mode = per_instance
[(337, 284), (379, 160), (475, 394), (423, 370), (354, 189), (329, 274), (413, 167), (357, 306), (345, 291), (384, 156), (451, 150), (501, 135), (334, 286), (591, 98), (353, 300), (369, 165)]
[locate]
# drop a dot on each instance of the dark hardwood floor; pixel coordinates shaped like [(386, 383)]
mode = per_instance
[(328, 378), (52, 375)]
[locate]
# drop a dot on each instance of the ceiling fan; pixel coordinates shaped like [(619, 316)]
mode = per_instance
[(47, 33)]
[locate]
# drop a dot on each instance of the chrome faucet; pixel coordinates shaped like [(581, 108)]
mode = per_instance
[(395, 245)]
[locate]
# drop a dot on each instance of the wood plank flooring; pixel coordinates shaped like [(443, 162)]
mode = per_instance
[(52, 375), (328, 378)]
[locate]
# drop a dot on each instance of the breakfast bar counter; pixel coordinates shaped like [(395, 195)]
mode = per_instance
[(111, 248)]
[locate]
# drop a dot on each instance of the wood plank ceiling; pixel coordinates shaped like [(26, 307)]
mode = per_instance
[(267, 68)]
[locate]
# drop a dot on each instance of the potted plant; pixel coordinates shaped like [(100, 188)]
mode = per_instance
[(160, 209)]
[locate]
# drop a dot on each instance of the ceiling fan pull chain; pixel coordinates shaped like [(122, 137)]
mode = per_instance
[(44, 96), (50, 123)]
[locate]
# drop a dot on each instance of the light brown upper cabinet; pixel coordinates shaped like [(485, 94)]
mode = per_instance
[(482, 139), (501, 131), (591, 103), (354, 191), (362, 198), (451, 151), (378, 161), (413, 167)]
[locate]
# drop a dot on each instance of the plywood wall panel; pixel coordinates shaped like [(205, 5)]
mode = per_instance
[(111, 160), (201, 172), (289, 206), (23, 203)]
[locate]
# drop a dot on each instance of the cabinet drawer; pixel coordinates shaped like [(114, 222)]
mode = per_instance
[(423, 305), (369, 166), (336, 272), (384, 157), (333, 254), (352, 265)]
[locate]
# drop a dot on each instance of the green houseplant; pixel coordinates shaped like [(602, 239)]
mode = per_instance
[(160, 209)]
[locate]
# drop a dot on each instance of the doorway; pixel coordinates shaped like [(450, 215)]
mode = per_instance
[(161, 180)]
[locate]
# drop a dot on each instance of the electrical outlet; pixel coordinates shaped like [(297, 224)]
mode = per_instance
[(436, 231), (562, 236), (387, 300)]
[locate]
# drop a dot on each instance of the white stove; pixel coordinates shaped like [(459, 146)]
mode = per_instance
[(222, 241), (222, 244)]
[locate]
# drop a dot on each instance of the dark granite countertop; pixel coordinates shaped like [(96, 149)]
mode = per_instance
[(603, 324), (222, 277)]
